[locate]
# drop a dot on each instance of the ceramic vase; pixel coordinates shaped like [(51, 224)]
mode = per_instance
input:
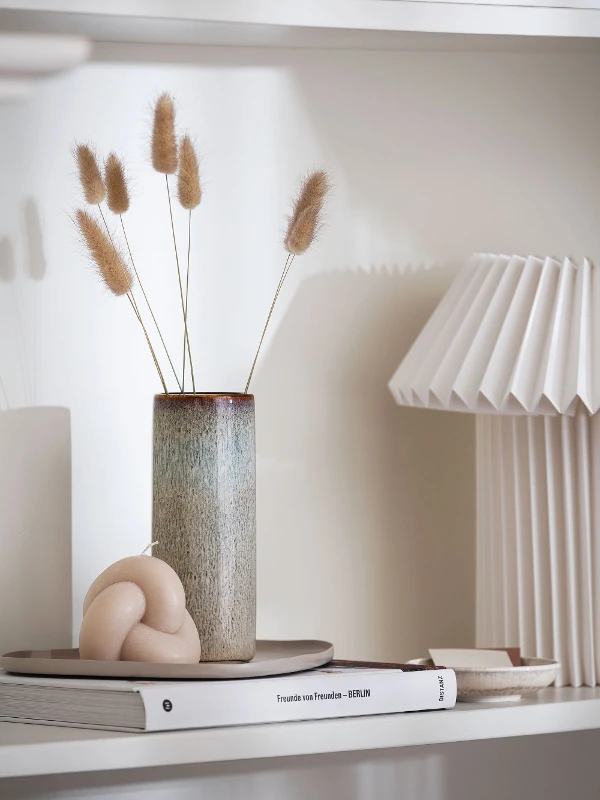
[(204, 514)]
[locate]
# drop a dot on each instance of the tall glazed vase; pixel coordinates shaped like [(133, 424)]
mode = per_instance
[(204, 513)]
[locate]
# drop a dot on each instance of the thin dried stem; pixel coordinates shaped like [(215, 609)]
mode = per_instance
[(303, 226), (145, 298), (148, 302), (113, 269), (106, 224), (185, 329), (136, 310), (187, 287), (284, 275)]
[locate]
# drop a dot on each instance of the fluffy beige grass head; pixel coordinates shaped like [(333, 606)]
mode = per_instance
[(117, 193), (109, 262), (89, 174), (164, 141), (305, 220), (189, 190)]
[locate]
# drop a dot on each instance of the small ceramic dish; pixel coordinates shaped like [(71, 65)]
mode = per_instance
[(493, 684)]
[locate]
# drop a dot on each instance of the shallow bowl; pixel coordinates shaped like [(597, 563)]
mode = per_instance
[(488, 684)]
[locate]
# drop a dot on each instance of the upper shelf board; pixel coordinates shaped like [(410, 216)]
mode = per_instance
[(24, 58), (290, 23)]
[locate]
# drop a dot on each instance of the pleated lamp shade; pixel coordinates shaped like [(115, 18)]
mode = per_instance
[(512, 335), (515, 340)]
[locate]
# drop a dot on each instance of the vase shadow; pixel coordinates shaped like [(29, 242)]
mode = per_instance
[(35, 529), (366, 523)]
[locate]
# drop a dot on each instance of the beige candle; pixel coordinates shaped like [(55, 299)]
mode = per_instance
[(135, 611)]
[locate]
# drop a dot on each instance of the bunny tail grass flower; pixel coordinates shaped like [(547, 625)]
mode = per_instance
[(117, 198), (165, 160), (112, 268), (303, 226), (164, 141), (109, 262), (189, 192), (90, 175), (117, 193), (306, 216)]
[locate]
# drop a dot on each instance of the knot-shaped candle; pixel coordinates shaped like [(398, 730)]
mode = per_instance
[(135, 611)]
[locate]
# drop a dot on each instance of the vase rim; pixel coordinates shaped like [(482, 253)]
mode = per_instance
[(192, 395)]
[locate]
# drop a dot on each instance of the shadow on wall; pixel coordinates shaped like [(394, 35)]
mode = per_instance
[(362, 505), (7, 275), (36, 260), (35, 465), (35, 529), (20, 311)]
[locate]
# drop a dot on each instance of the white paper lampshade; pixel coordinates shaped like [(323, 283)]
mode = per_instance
[(515, 340), (538, 539), (513, 335)]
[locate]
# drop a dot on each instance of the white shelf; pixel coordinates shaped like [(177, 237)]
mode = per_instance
[(27, 750), (319, 23), (24, 58)]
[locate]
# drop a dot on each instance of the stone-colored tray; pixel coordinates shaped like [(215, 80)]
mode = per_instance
[(493, 684), (272, 658)]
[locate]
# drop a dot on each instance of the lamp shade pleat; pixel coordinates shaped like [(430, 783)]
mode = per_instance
[(513, 335)]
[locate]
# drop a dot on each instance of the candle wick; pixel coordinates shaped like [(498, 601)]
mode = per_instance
[(148, 546)]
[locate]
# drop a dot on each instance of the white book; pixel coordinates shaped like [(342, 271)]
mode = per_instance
[(340, 689)]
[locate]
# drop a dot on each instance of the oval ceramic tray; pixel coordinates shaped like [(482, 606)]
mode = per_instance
[(272, 658), (492, 684)]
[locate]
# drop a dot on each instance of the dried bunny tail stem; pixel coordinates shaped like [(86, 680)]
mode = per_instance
[(164, 159), (89, 174), (164, 141), (136, 311), (286, 269), (148, 304), (306, 215), (186, 337), (108, 260), (118, 202), (189, 190), (113, 270), (301, 233), (185, 312), (117, 193)]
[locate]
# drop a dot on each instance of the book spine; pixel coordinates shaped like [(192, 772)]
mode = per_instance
[(245, 702)]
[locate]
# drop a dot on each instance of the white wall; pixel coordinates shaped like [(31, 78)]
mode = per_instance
[(366, 511)]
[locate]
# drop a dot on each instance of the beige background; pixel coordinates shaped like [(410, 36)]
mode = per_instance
[(366, 511)]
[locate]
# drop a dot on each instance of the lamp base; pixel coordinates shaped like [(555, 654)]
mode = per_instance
[(538, 539)]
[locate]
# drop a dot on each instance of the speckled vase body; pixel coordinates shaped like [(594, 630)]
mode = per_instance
[(204, 514)]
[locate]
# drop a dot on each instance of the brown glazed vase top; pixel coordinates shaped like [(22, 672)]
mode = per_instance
[(204, 513)]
